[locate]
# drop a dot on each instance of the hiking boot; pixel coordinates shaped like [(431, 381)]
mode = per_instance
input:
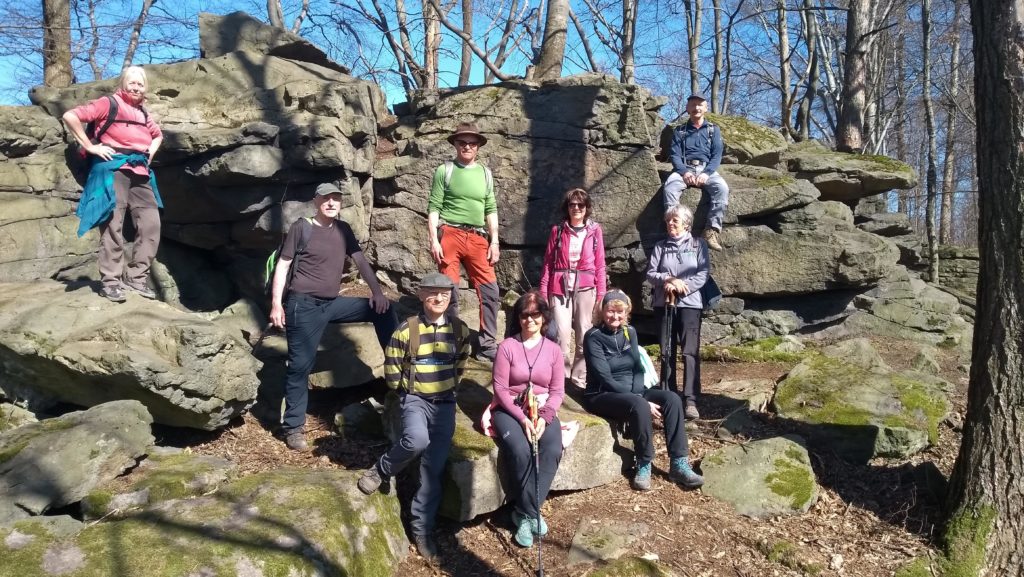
[(114, 294), (691, 413), (426, 547), (143, 291), (524, 529), (370, 481), (642, 479), (682, 474), (711, 236), (296, 441)]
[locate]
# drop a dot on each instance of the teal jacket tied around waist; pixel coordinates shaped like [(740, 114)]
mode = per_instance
[(98, 197)]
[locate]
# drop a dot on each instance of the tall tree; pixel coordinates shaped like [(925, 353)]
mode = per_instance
[(949, 158), (849, 132), (548, 65), (57, 69), (986, 501), (133, 41), (929, 121), (693, 9), (466, 63)]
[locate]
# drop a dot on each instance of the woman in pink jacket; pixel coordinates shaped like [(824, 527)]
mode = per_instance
[(573, 279)]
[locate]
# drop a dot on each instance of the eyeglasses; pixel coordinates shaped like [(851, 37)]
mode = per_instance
[(469, 143), (526, 315), (440, 296), (577, 205)]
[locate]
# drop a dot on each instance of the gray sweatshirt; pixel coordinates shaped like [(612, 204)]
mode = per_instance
[(684, 258)]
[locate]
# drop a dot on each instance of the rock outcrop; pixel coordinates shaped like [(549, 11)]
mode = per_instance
[(58, 461), (76, 347)]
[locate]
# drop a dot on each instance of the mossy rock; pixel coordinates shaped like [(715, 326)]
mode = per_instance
[(789, 555), (861, 413), (743, 141), (285, 523), (762, 479), (847, 177), (756, 191), (769, 350), (13, 416), (631, 567), (161, 477)]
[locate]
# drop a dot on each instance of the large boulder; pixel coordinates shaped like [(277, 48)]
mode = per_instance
[(38, 237), (756, 191), (861, 412), (26, 130), (58, 461), (744, 142), (219, 35), (847, 177), (292, 522), (76, 347), (762, 262), (762, 479)]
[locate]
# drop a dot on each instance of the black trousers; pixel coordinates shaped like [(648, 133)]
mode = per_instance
[(685, 335), (528, 490), (635, 410)]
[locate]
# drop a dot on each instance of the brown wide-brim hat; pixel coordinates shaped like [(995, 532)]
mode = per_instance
[(467, 128)]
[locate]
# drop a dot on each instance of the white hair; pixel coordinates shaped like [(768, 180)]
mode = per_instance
[(683, 212), (129, 70)]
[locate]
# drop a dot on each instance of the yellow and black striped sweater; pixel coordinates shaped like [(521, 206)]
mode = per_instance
[(438, 363)]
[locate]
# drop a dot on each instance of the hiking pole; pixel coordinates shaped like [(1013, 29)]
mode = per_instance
[(531, 402), (666, 338)]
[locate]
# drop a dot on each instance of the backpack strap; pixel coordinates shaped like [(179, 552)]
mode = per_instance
[(412, 350), (449, 168), (111, 117)]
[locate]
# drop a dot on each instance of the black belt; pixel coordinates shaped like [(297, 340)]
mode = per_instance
[(468, 228), (310, 298)]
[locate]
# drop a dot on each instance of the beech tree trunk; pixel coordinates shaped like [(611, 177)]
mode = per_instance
[(552, 49), (949, 162), (133, 42), (929, 121), (986, 498), (57, 71), (466, 65)]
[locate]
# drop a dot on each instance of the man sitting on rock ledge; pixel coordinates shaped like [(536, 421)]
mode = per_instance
[(423, 363), (313, 299), (696, 154)]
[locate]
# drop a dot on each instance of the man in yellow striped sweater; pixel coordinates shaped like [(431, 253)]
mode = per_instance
[(425, 379)]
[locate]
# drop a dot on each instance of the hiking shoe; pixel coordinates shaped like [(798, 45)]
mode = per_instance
[(296, 441), (711, 236), (524, 529), (682, 474), (543, 526), (691, 413), (114, 294), (143, 291), (642, 479), (370, 481), (426, 547)]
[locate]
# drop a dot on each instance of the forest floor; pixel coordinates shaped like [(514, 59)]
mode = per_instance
[(869, 519)]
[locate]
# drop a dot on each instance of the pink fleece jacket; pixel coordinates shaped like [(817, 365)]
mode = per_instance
[(120, 135), (590, 269)]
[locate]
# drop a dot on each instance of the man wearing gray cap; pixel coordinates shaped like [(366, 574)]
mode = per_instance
[(696, 154), (423, 362), (309, 272)]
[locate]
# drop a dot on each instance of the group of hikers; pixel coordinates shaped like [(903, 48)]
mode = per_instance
[(573, 331)]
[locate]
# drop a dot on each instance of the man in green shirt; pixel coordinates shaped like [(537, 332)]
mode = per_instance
[(462, 226)]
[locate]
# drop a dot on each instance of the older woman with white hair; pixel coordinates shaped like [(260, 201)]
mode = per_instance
[(677, 269), (123, 140)]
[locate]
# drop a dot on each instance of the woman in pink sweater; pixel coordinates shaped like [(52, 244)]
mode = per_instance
[(526, 357)]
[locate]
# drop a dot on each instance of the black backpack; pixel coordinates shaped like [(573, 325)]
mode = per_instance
[(94, 133)]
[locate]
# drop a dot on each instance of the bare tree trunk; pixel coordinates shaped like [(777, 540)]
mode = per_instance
[(949, 163), (986, 524), (275, 13), (591, 59), (94, 45), (629, 8), (850, 129), (785, 107), (693, 10), (57, 71), (929, 121), (431, 45), (133, 42), (467, 52), (806, 106), (552, 49), (716, 75)]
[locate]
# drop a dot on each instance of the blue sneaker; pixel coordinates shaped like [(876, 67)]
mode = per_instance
[(524, 529), (642, 479), (683, 474)]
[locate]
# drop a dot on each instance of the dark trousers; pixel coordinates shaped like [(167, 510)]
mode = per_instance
[(685, 335), (427, 429), (635, 411), (518, 456), (306, 317), (134, 196)]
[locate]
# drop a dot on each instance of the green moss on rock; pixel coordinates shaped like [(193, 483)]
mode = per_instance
[(630, 567), (758, 351), (919, 567), (791, 480), (965, 539), (468, 444)]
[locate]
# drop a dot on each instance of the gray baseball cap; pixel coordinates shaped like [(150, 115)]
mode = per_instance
[(696, 96), (327, 188), (436, 280)]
